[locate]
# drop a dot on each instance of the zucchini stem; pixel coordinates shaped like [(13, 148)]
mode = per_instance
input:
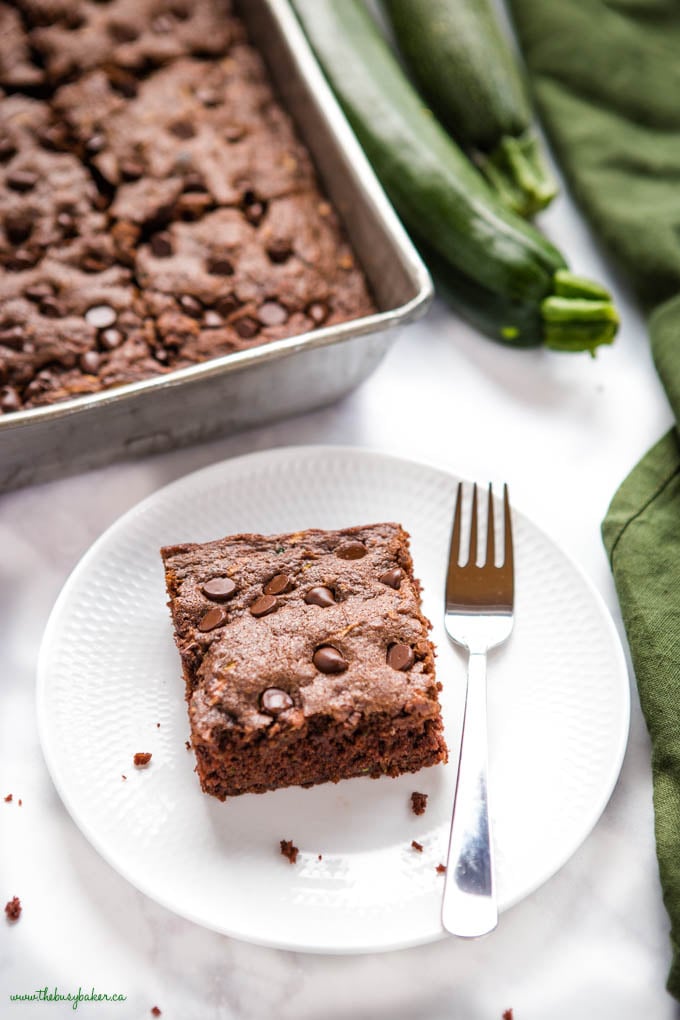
[(518, 174), (579, 315)]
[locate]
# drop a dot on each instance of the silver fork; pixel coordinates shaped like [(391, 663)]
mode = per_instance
[(479, 606)]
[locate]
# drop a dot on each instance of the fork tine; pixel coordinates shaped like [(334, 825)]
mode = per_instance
[(472, 553), (454, 555), (490, 536), (507, 522)]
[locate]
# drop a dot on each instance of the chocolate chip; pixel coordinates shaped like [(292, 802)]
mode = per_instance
[(279, 250), (95, 261), (279, 584), (265, 604), (122, 32), (192, 207), (122, 82), (131, 169), (9, 400), (271, 313), (226, 305), (100, 316), (89, 362), (42, 382), (95, 144), (4, 372), (215, 617), (320, 596), (183, 129), (51, 308), (194, 182), (7, 149), (318, 312), (393, 578), (21, 180), (161, 245), (18, 225), (13, 337), (219, 589), (212, 319), (275, 700), (329, 660), (21, 259), (191, 306), (400, 656), (351, 551), (109, 339), (247, 327), (38, 292), (220, 267)]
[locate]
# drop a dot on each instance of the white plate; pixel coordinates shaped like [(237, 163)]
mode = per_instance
[(109, 672)]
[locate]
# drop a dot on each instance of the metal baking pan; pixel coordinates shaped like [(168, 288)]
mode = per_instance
[(268, 382)]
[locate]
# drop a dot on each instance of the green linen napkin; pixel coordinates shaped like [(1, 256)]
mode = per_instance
[(606, 77)]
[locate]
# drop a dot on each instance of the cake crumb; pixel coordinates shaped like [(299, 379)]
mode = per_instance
[(20, 802), (8, 798), (320, 857), (418, 803), (417, 846), (122, 776), (441, 869), (142, 759), (158, 726), (507, 1014), (13, 909), (155, 1011), (288, 850), (187, 745)]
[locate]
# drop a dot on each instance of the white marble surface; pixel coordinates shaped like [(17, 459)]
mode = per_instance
[(591, 943)]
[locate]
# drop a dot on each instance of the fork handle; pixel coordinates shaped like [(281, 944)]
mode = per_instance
[(469, 906)]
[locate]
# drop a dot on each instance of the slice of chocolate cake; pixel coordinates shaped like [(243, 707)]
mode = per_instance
[(306, 658)]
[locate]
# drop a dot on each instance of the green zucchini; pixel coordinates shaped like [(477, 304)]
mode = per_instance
[(463, 63), (438, 193)]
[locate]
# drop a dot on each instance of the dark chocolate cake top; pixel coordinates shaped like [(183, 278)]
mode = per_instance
[(148, 168), (279, 629)]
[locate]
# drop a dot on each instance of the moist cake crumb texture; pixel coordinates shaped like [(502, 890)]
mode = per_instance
[(157, 208), (418, 803), (306, 658), (288, 850), (13, 909)]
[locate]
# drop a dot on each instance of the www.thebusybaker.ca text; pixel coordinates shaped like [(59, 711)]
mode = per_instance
[(45, 995)]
